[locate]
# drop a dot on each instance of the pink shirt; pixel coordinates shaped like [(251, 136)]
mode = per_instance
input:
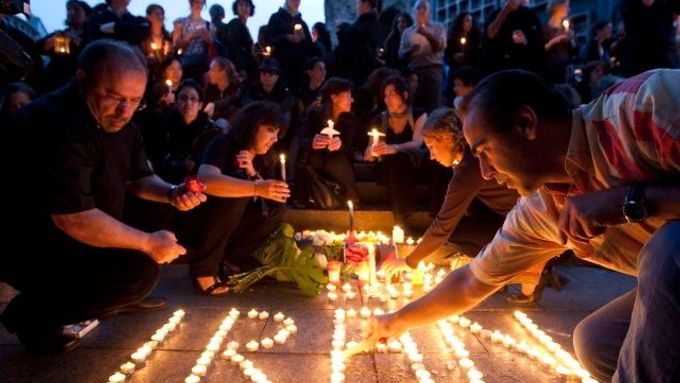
[(630, 134)]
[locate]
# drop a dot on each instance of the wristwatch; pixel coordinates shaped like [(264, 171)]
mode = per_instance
[(635, 207)]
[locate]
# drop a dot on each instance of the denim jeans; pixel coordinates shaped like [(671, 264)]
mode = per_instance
[(636, 337)]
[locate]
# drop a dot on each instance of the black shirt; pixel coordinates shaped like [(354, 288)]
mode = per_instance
[(68, 163), (222, 151)]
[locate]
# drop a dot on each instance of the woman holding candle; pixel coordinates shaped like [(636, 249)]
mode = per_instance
[(560, 47), (463, 44), (323, 156), (159, 43), (401, 155), (240, 172), (170, 72), (64, 46), (193, 36)]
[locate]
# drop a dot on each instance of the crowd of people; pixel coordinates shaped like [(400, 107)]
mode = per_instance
[(126, 113)]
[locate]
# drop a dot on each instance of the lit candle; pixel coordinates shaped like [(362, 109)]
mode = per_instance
[(347, 287), (475, 374), (179, 52), (350, 204), (329, 130), (252, 346), (466, 363), (199, 370), (228, 353), (332, 297), (267, 342), (204, 361), (418, 274), (263, 315), (351, 313), (288, 321), (138, 358), (252, 314), (279, 317), (168, 82), (298, 28), (291, 328), (267, 51), (365, 312), (280, 338), (463, 41), (246, 364), (127, 368), (154, 46), (238, 358), (282, 159), (334, 268), (233, 345), (410, 241), (565, 24), (397, 234), (375, 138), (118, 377), (192, 379), (350, 295)]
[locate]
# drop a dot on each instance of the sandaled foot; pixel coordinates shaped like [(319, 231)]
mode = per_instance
[(211, 286)]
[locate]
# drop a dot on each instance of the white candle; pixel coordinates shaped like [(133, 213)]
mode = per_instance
[(246, 364), (397, 235), (168, 82), (203, 361), (267, 51), (282, 159), (252, 314), (475, 374), (350, 295), (565, 24), (332, 297), (280, 338), (263, 315), (288, 321), (351, 313), (252, 346), (463, 41), (238, 358), (365, 312), (228, 353), (466, 363), (233, 345), (117, 378), (375, 137), (199, 370), (298, 28), (267, 342), (350, 204), (208, 354), (279, 317), (292, 328), (127, 368), (347, 287)]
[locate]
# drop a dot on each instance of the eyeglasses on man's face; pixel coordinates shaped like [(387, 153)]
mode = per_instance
[(122, 103), (269, 72)]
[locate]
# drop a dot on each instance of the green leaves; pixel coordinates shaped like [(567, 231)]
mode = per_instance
[(282, 259)]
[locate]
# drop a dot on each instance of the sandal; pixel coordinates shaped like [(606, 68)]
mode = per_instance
[(210, 290)]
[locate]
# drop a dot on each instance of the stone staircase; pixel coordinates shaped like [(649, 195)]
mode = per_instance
[(375, 212)]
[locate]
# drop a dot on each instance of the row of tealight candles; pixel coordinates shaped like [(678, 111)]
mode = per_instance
[(338, 345), (139, 357), (199, 370), (410, 348), (334, 293), (459, 350), (567, 365)]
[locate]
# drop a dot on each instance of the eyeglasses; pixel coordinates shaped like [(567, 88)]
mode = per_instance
[(186, 98), (269, 72), (122, 103)]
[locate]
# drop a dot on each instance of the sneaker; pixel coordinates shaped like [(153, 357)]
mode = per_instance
[(42, 342)]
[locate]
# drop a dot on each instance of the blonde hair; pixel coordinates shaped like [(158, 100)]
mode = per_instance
[(445, 121)]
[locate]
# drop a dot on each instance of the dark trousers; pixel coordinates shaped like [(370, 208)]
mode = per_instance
[(234, 227), (335, 166), (636, 337), (398, 173), (60, 289)]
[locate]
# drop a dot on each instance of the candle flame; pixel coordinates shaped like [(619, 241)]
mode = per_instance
[(154, 46), (463, 40), (282, 158), (298, 27), (268, 49), (565, 24), (179, 52), (168, 82), (350, 204)]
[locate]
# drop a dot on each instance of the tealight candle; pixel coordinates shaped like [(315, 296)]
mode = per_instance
[(474, 373), (203, 361), (208, 354), (337, 377), (346, 287), (246, 364), (228, 353), (475, 328), (279, 317), (118, 377), (267, 342), (416, 358), (233, 345), (292, 329), (351, 313), (280, 338), (288, 321), (238, 358), (394, 345), (127, 368), (464, 322), (179, 313), (252, 346), (199, 370), (382, 347), (330, 287), (192, 379), (252, 314), (214, 347), (466, 363), (138, 358), (234, 313), (263, 315), (350, 295), (332, 297), (365, 312)]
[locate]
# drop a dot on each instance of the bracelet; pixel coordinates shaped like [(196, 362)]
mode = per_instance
[(170, 192)]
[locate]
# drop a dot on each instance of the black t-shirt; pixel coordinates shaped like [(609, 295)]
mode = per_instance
[(68, 163)]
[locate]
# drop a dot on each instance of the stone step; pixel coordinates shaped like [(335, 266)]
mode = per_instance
[(338, 220)]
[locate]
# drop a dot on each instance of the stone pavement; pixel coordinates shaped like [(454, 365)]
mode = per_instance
[(305, 356)]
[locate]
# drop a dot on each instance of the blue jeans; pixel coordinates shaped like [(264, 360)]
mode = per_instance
[(636, 337)]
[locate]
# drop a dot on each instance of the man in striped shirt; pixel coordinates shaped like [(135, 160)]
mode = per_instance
[(602, 180)]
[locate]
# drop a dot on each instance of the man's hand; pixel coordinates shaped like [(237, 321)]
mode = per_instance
[(162, 247), (382, 327), (184, 200), (209, 109), (272, 189), (587, 216), (394, 265), (334, 144), (320, 141)]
